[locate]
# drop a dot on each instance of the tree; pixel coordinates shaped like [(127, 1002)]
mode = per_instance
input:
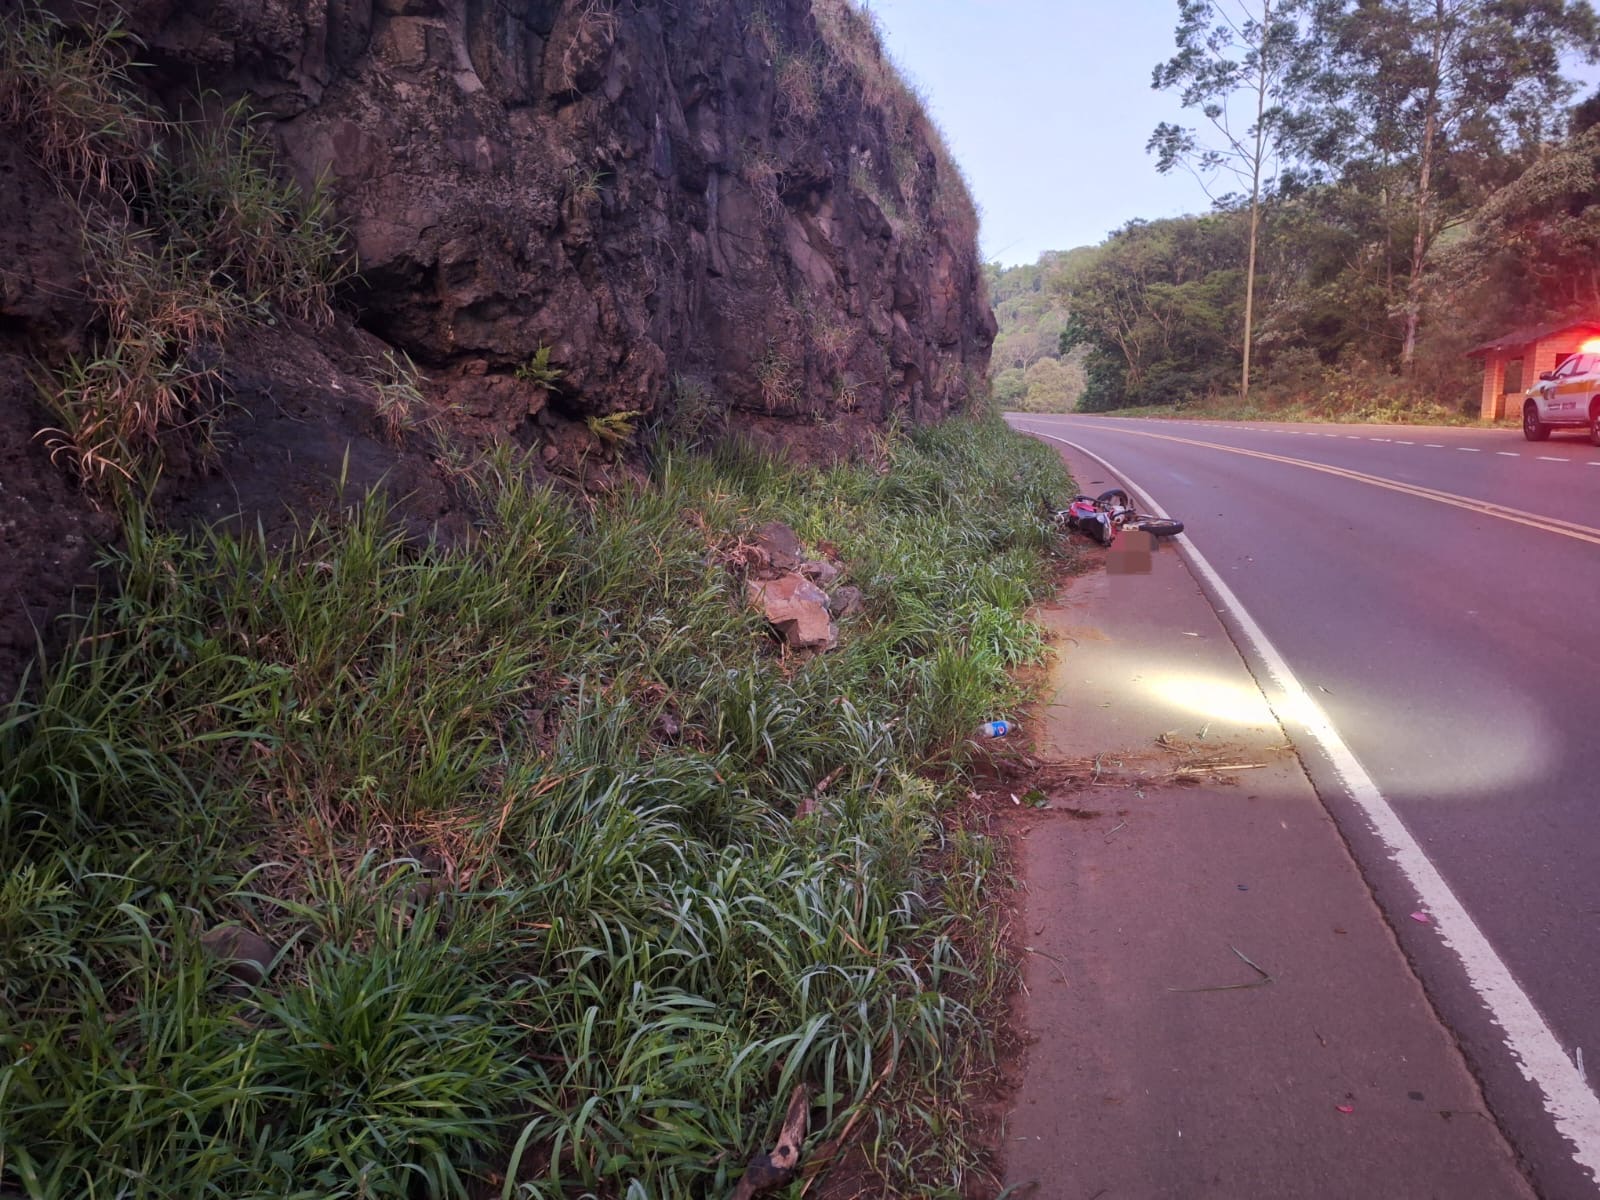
[(1053, 385), (1158, 310), (1021, 346), (1436, 92), (1535, 249), (1227, 47)]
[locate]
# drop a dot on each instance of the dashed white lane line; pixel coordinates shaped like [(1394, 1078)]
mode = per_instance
[(1392, 441), (1573, 1107)]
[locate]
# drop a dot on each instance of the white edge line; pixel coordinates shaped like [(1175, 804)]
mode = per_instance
[(1573, 1107)]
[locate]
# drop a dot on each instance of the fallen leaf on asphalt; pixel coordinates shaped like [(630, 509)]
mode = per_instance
[(1346, 1108), (1422, 916)]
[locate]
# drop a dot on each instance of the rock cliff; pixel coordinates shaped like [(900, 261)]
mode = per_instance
[(574, 216), (742, 196)]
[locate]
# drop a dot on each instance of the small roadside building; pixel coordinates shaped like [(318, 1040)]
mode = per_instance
[(1511, 364)]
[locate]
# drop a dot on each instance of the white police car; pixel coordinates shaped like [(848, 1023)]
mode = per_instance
[(1566, 398)]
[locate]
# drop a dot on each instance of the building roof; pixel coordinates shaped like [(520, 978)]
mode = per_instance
[(1517, 339)]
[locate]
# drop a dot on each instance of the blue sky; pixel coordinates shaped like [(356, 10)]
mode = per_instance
[(1047, 105)]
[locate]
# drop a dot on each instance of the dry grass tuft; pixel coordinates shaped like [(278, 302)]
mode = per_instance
[(760, 172), (188, 229), (71, 96)]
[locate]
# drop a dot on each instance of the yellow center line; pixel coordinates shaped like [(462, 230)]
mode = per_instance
[(1582, 533)]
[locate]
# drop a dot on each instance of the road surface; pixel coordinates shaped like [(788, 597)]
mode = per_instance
[(1433, 591)]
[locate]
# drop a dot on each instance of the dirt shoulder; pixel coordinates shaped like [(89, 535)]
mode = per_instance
[(1212, 1005)]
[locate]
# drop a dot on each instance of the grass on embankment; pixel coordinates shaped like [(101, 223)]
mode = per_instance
[(639, 950)]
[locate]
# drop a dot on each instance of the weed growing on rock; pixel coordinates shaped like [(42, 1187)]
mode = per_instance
[(697, 414), (614, 429), (539, 371), (782, 390), (73, 98), (760, 171), (593, 36), (799, 90), (583, 186), (630, 943), (189, 231), (832, 339), (165, 314), (398, 393), (763, 29), (280, 247)]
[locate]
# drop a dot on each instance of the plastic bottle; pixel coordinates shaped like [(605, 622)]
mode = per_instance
[(996, 729)]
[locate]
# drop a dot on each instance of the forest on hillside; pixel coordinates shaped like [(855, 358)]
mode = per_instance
[(1412, 179), (1031, 370)]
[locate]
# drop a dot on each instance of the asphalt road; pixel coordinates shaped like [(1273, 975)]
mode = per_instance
[(1434, 590)]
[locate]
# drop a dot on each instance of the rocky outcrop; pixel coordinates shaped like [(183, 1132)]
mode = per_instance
[(740, 197), (580, 218)]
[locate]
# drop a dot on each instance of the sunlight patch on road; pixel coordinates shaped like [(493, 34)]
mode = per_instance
[(1214, 699)]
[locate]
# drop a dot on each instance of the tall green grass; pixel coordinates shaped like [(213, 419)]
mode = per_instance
[(683, 870)]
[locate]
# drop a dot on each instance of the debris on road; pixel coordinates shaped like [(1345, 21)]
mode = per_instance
[(1233, 987)]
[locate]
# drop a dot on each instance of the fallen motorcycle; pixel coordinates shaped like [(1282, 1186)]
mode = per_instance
[(1102, 516)]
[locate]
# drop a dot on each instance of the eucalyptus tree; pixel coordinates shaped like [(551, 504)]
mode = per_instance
[(1439, 97), (1228, 49)]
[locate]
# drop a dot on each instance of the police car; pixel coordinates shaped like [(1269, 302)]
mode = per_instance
[(1566, 398)]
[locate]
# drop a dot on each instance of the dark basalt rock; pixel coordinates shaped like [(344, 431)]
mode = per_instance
[(636, 189), (623, 184)]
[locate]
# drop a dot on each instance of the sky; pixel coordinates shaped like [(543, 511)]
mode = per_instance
[(1047, 106)]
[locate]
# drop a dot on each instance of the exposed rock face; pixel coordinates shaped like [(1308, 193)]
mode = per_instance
[(720, 213), (705, 190)]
